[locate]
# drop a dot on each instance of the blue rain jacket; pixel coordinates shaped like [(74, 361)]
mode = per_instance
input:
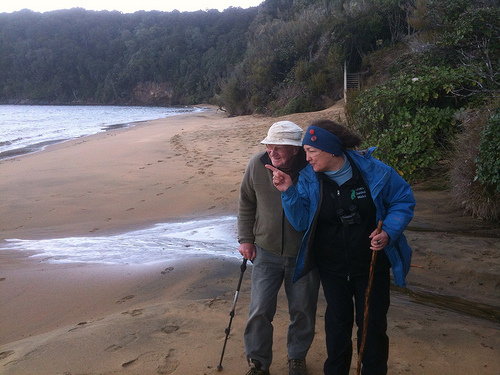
[(391, 195)]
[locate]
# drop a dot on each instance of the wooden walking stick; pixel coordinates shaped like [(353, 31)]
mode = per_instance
[(367, 303)]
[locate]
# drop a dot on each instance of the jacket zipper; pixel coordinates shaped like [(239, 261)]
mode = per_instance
[(312, 228), (345, 240), (282, 231)]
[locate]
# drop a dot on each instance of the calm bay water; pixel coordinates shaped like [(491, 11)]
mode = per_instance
[(25, 129), (28, 128)]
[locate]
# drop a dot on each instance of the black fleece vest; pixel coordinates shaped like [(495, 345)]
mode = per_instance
[(345, 220)]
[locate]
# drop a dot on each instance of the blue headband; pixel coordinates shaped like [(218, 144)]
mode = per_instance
[(323, 140)]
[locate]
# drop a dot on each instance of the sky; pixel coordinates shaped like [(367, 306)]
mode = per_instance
[(125, 6)]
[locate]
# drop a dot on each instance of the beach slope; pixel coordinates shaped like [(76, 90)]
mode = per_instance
[(171, 318)]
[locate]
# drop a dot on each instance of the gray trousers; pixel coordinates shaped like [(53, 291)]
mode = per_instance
[(269, 272)]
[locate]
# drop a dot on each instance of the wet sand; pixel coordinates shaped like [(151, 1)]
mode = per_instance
[(170, 318)]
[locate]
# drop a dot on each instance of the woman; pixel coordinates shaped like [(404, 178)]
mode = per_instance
[(338, 200)]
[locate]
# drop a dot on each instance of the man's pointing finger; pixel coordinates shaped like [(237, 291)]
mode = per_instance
[(270, 167)]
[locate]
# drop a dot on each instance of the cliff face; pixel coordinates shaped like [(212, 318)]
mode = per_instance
[(152, 93)]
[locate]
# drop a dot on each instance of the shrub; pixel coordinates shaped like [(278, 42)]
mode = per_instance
[(488, 160), (233, 98), (475, 174), (410, 118)]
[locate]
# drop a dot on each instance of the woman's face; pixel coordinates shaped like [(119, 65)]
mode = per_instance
[(322, 161)]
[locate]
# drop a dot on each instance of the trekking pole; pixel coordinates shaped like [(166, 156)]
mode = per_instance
[(367, 303), (243, 267)]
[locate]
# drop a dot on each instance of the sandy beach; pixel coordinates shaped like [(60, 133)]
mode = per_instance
[(171, 318)]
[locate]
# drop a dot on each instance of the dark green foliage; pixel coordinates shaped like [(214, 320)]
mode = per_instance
[(233, 98), (488, 159), (75, 56), (411, 115), (297, 49), (465, 33), (475, 173), (410, 118)]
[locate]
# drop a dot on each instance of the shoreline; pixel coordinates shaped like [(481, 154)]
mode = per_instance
[(40, 146), (170, 317), (83, 167)]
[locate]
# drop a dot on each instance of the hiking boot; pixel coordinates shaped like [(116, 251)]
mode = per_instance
[(297, 367), (255, 368)]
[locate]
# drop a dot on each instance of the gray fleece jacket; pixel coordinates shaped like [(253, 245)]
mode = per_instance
[(261, 219)]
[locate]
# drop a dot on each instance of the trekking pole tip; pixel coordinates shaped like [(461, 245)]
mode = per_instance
[(219, 367)]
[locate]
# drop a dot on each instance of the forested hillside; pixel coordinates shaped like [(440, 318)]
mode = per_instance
[(155, 58), (429, 72), (283, 56)]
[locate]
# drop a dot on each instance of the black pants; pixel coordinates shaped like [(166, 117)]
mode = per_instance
[(339, 319)]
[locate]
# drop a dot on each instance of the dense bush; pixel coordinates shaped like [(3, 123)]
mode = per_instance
[(475, 174), (410, 118), (488, 159)]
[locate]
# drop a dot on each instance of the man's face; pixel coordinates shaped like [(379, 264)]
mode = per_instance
[(282, 156)]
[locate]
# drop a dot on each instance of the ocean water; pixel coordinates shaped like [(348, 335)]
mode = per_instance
[(29, 128), (159, 244), (25, 129)]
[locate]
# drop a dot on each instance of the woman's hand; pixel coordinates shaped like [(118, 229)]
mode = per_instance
[(379, 241), (281, 180)]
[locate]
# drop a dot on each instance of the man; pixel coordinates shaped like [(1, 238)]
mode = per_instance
[(271, 243)]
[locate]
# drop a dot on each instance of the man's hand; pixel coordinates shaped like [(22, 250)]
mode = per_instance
[(247, 250), (281, 180)]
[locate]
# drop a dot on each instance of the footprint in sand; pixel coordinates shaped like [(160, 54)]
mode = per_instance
[(6, 354), (169, 366), (121, 343), (167, 270), (113, 348), (125, 299), (169, 329), (135, 312), (79, 326), (129, 363)]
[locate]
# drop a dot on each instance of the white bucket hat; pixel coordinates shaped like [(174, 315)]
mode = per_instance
[(284, 133)]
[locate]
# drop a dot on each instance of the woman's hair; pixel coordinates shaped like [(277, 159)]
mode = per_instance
[(348, 137)]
